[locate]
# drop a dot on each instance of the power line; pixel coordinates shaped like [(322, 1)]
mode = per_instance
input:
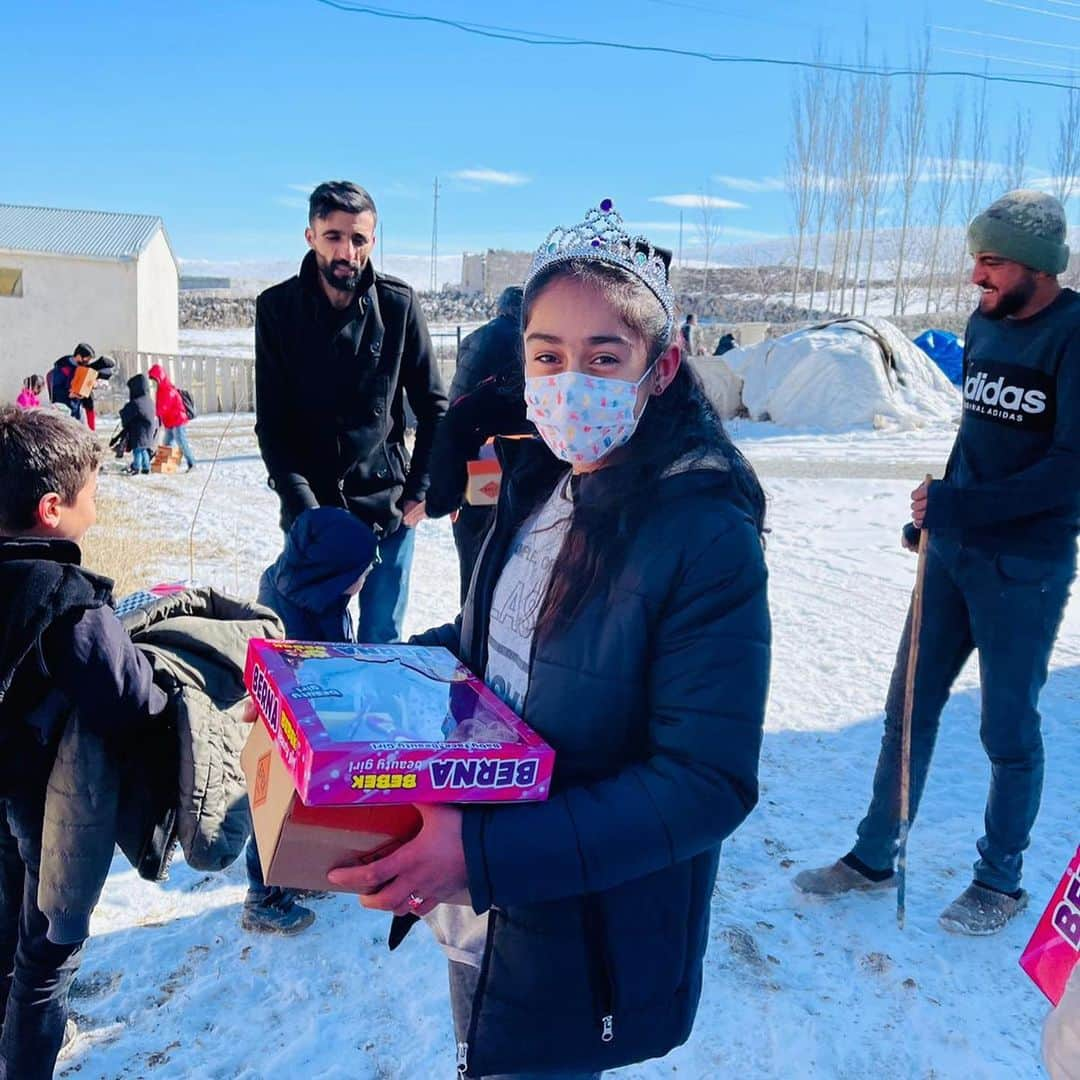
[(531, 37)]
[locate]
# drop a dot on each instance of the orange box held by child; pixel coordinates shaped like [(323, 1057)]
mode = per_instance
[(82, 382)]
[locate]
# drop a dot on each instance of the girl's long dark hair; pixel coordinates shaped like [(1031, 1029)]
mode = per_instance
[(679, 426)]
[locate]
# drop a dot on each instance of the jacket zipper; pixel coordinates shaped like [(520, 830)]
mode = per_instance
[(600, 968), (474, 1011)]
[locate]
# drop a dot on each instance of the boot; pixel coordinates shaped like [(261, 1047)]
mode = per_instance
[(980, 911), (277, 912), (840, 878)]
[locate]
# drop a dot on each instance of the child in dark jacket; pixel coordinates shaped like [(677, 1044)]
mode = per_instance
[(139, 423), (58, 635), (328, 553)]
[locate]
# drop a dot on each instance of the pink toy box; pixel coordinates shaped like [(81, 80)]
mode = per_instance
[(368, 724), (1052, 952)]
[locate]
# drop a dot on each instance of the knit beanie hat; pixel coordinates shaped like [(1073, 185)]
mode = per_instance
[(1025, 226)]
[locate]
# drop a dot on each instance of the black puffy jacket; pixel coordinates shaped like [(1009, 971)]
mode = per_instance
[(654, 700), (137, 417), (330, 415)]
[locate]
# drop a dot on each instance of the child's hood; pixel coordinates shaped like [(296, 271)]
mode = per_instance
[(138, 386), (326, 550)]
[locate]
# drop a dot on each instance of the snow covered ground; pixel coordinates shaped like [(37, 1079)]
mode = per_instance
[(171, 987)]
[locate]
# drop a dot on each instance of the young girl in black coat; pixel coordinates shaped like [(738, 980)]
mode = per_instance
[(619, 605)]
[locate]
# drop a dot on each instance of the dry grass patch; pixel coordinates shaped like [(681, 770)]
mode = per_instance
[(121, 547)]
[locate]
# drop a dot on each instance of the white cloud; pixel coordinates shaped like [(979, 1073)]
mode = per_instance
[(292, 202), (304, 189), (647, 227), (696, 202), (490, 176), (747, 183)]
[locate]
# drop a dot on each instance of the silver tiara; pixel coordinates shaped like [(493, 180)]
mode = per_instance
[(603, 237)]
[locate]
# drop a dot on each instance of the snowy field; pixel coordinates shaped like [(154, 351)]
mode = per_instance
[(171, 987)]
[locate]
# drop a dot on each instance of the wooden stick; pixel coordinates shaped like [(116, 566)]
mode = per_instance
[(905, 743)]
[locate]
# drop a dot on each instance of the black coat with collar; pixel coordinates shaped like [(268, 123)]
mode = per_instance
[(330, 413), (654, 700)]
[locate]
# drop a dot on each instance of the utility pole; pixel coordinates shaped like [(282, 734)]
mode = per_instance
[(435, 237), (382, 245)]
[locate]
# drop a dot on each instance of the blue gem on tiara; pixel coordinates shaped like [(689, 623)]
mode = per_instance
[(603, 237)]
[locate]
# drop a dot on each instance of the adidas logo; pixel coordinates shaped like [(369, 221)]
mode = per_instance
[(979, 390)]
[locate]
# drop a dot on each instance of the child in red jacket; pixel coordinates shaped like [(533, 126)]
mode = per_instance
[(172, 414)]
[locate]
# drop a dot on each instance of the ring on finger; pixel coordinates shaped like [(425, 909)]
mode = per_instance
[(415, 901)]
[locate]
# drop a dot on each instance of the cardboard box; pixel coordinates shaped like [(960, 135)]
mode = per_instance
[(298, 845), (364, 724), (168, 455), (82, 382), (1054, 948), (483, 482)]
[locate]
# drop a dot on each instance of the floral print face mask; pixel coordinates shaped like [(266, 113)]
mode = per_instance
[(582, 418)]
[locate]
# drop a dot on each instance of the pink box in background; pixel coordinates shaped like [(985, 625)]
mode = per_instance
[(1052, 952), (359, 724)]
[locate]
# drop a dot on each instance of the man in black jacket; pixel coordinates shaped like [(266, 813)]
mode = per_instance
[(336, 347), (487, 398)]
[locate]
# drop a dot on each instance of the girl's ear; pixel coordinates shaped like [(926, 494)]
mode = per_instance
[(667, 364)]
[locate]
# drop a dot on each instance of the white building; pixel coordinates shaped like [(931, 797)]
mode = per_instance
[(67, 276), (494, 270)]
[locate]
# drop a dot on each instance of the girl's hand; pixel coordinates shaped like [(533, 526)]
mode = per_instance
[(420, 875)]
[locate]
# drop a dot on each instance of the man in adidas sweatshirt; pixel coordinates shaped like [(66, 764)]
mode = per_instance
[(1002, 555)]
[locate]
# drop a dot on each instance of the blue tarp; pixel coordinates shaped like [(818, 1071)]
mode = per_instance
[(945, 350)]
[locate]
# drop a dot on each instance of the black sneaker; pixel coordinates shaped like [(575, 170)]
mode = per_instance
[(278, 913)]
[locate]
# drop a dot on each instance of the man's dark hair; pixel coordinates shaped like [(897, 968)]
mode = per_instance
[(339, 195), (84, 350), (41, 450)]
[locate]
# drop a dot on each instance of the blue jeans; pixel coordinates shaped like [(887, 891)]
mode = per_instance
[(1009, 608), (258, 890), (178, 436), (463, 979), (140, 459), (385, 594), (36, 973)]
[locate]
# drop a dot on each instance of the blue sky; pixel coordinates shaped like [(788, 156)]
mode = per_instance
[(220, 115)]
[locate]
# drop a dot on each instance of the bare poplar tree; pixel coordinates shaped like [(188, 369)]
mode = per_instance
[(709, 230), (824, 159), (911, 144), (973, 183), (877, 175), (1016, 150), (1065, 162), (808, 104), (943, 189)]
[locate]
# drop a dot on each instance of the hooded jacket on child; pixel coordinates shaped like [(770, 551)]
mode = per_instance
[(326, 551), (170, 405), (138, 417)]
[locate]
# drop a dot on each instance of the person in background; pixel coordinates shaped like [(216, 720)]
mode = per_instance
[(63, 371), (687, 334), (328, 555), (30, 394), (619, 605), (139, 423), (361, 337), (1000, 560), (105, 366), (169, 406), (61, 646), (485, 399)]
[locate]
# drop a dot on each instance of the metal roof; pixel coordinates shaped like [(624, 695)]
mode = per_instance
[(95, 234)]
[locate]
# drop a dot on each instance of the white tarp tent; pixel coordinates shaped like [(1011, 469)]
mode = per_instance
[(840, 374)]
